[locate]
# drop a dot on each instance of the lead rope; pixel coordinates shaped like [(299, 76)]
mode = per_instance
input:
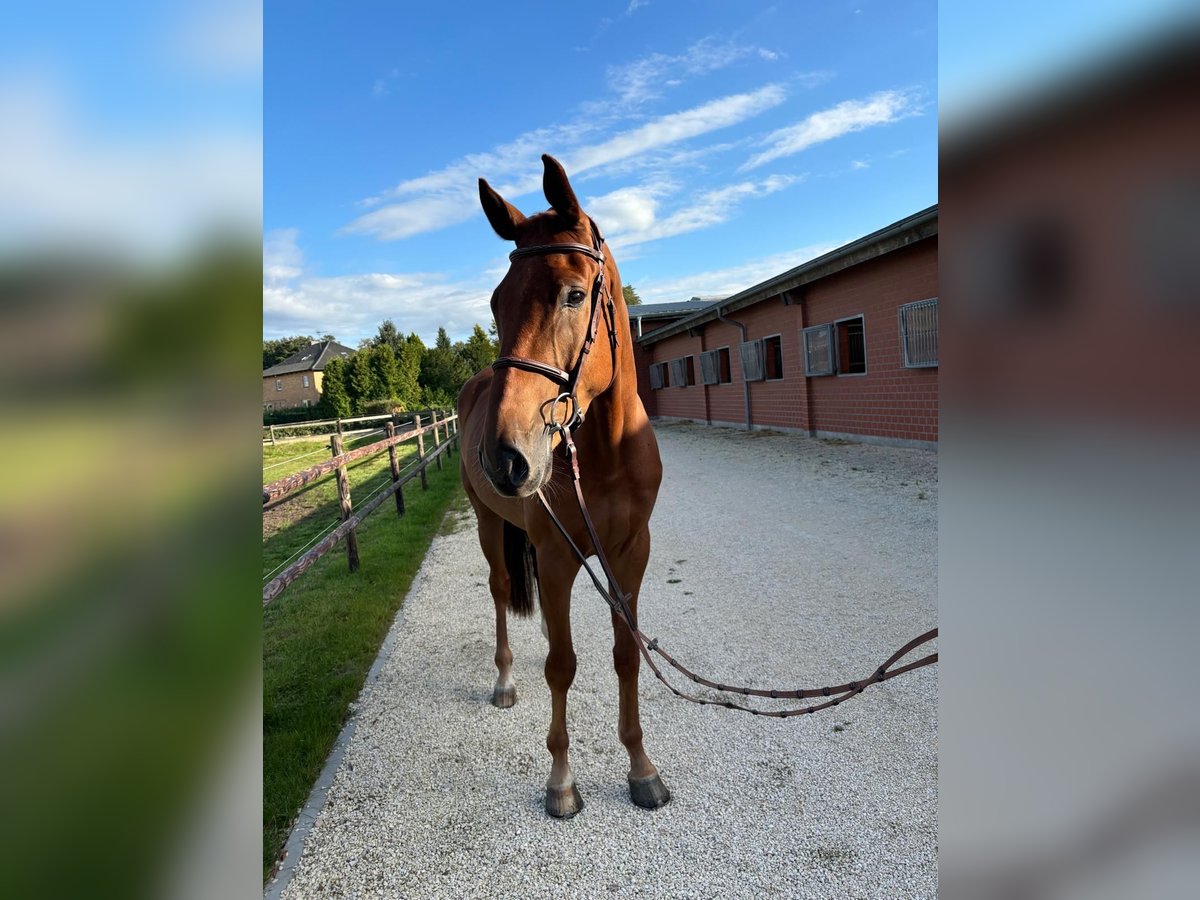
[(618, 602)]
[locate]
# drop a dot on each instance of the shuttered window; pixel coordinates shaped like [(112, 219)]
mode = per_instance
[(656, 379), (919, 333), (773, 357), (751, 353), (714, 366), (818, 350), (678, 374)]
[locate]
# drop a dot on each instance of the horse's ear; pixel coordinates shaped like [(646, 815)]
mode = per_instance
[(505, 217), (558, 190)]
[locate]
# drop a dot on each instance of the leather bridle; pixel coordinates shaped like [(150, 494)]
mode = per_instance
[(602, 305), (617, 599)]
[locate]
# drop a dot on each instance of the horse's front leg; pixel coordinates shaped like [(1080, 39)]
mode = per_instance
[(646, 787), (555, 578)]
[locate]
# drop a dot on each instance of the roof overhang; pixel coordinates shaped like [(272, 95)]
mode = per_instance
[(917, 227)]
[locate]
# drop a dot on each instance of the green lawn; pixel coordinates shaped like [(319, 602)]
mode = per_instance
[(305, 516), (321, 635)]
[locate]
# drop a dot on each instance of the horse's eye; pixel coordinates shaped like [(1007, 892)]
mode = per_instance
[(575, 298)]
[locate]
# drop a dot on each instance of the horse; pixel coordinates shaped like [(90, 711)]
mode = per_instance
[(560, 287)]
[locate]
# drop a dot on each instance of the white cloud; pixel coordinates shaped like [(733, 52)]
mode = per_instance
[(352, 306), (706, 210), (448, 196), (221, 38), (882, 108), (724, 282), (641, 80), (282, 257), (859, 164), (635, 5)]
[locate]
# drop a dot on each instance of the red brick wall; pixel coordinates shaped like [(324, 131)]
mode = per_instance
[(889, 401)]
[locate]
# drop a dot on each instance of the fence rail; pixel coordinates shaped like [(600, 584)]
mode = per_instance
[(269, 436), (276, 492)]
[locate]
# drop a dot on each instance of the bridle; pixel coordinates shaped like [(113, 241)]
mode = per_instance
[(602, 305), (617, 599)]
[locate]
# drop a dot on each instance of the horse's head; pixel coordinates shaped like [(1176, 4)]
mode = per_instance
[(556, 299)]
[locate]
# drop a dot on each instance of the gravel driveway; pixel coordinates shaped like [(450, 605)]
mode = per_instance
[(777, 559)]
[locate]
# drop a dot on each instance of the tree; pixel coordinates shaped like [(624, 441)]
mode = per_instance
[(382, 362), (478, 352), (335, 401), (631, 296), (388, 336), (276, 351), (443, 372), (361, 383), (408, 370)]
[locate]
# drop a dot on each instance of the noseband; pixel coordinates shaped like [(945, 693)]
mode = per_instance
[(602, 304)]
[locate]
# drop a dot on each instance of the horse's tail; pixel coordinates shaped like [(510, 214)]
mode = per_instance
[(521, 561)]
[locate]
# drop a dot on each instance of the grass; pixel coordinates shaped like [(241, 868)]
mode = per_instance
[(310, 513), (322, 634)]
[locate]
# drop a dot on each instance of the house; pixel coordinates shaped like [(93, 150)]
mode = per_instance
[(296, 382), (844, 345)]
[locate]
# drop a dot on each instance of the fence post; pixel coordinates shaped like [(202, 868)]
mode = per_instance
[(272, 435), (449, 435), (421, 452), (339, 425), (437, 442), (343, 487), (391, 432)]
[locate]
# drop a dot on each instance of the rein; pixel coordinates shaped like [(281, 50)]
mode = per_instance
[(614, 596)]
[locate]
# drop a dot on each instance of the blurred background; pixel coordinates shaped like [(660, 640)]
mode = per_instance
[(1070, 501), (130, 275)]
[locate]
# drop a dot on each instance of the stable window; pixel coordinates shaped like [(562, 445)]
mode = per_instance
[(818, 350), (714, 366), (678, 372), (919, 333), (751, 353), (851, 346), (658, 376), (279, 384), (773, 357), (306, 381), (305, 402)]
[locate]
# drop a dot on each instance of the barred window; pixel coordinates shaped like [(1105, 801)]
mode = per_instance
[(818, 350), (752, 360), (851, 346), (919, 333)]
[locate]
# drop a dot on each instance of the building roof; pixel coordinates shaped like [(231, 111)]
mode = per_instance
[(311, 358), (909, 230), (668, 310)]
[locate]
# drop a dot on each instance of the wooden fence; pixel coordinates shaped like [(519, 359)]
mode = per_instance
[(442, 427), (271, 432)]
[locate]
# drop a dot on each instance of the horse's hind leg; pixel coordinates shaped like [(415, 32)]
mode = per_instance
[(491, 539), (646, 788)]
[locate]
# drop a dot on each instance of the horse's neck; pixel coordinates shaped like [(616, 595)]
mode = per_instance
[(614, 411)]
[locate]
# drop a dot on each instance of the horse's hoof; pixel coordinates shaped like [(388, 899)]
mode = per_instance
[(562, 803), (649, 792), (505, 697)]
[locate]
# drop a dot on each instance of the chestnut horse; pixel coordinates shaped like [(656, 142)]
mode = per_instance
[(561, 292)]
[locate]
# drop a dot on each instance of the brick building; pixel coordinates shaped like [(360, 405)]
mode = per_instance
[(844, 345), (296, 382)]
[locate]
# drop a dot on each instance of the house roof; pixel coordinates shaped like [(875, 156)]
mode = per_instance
[(311, 358), (909, 230), (667, 310)]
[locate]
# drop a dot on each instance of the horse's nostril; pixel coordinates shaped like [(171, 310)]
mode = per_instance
[(513, 465)]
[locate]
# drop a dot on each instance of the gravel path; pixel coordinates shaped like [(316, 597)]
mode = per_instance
[(779, 559)]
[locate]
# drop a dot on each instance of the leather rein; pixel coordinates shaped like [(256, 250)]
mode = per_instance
[(617, 599)]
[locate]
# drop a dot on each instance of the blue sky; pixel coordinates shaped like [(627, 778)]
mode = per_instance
[(715, 143)]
